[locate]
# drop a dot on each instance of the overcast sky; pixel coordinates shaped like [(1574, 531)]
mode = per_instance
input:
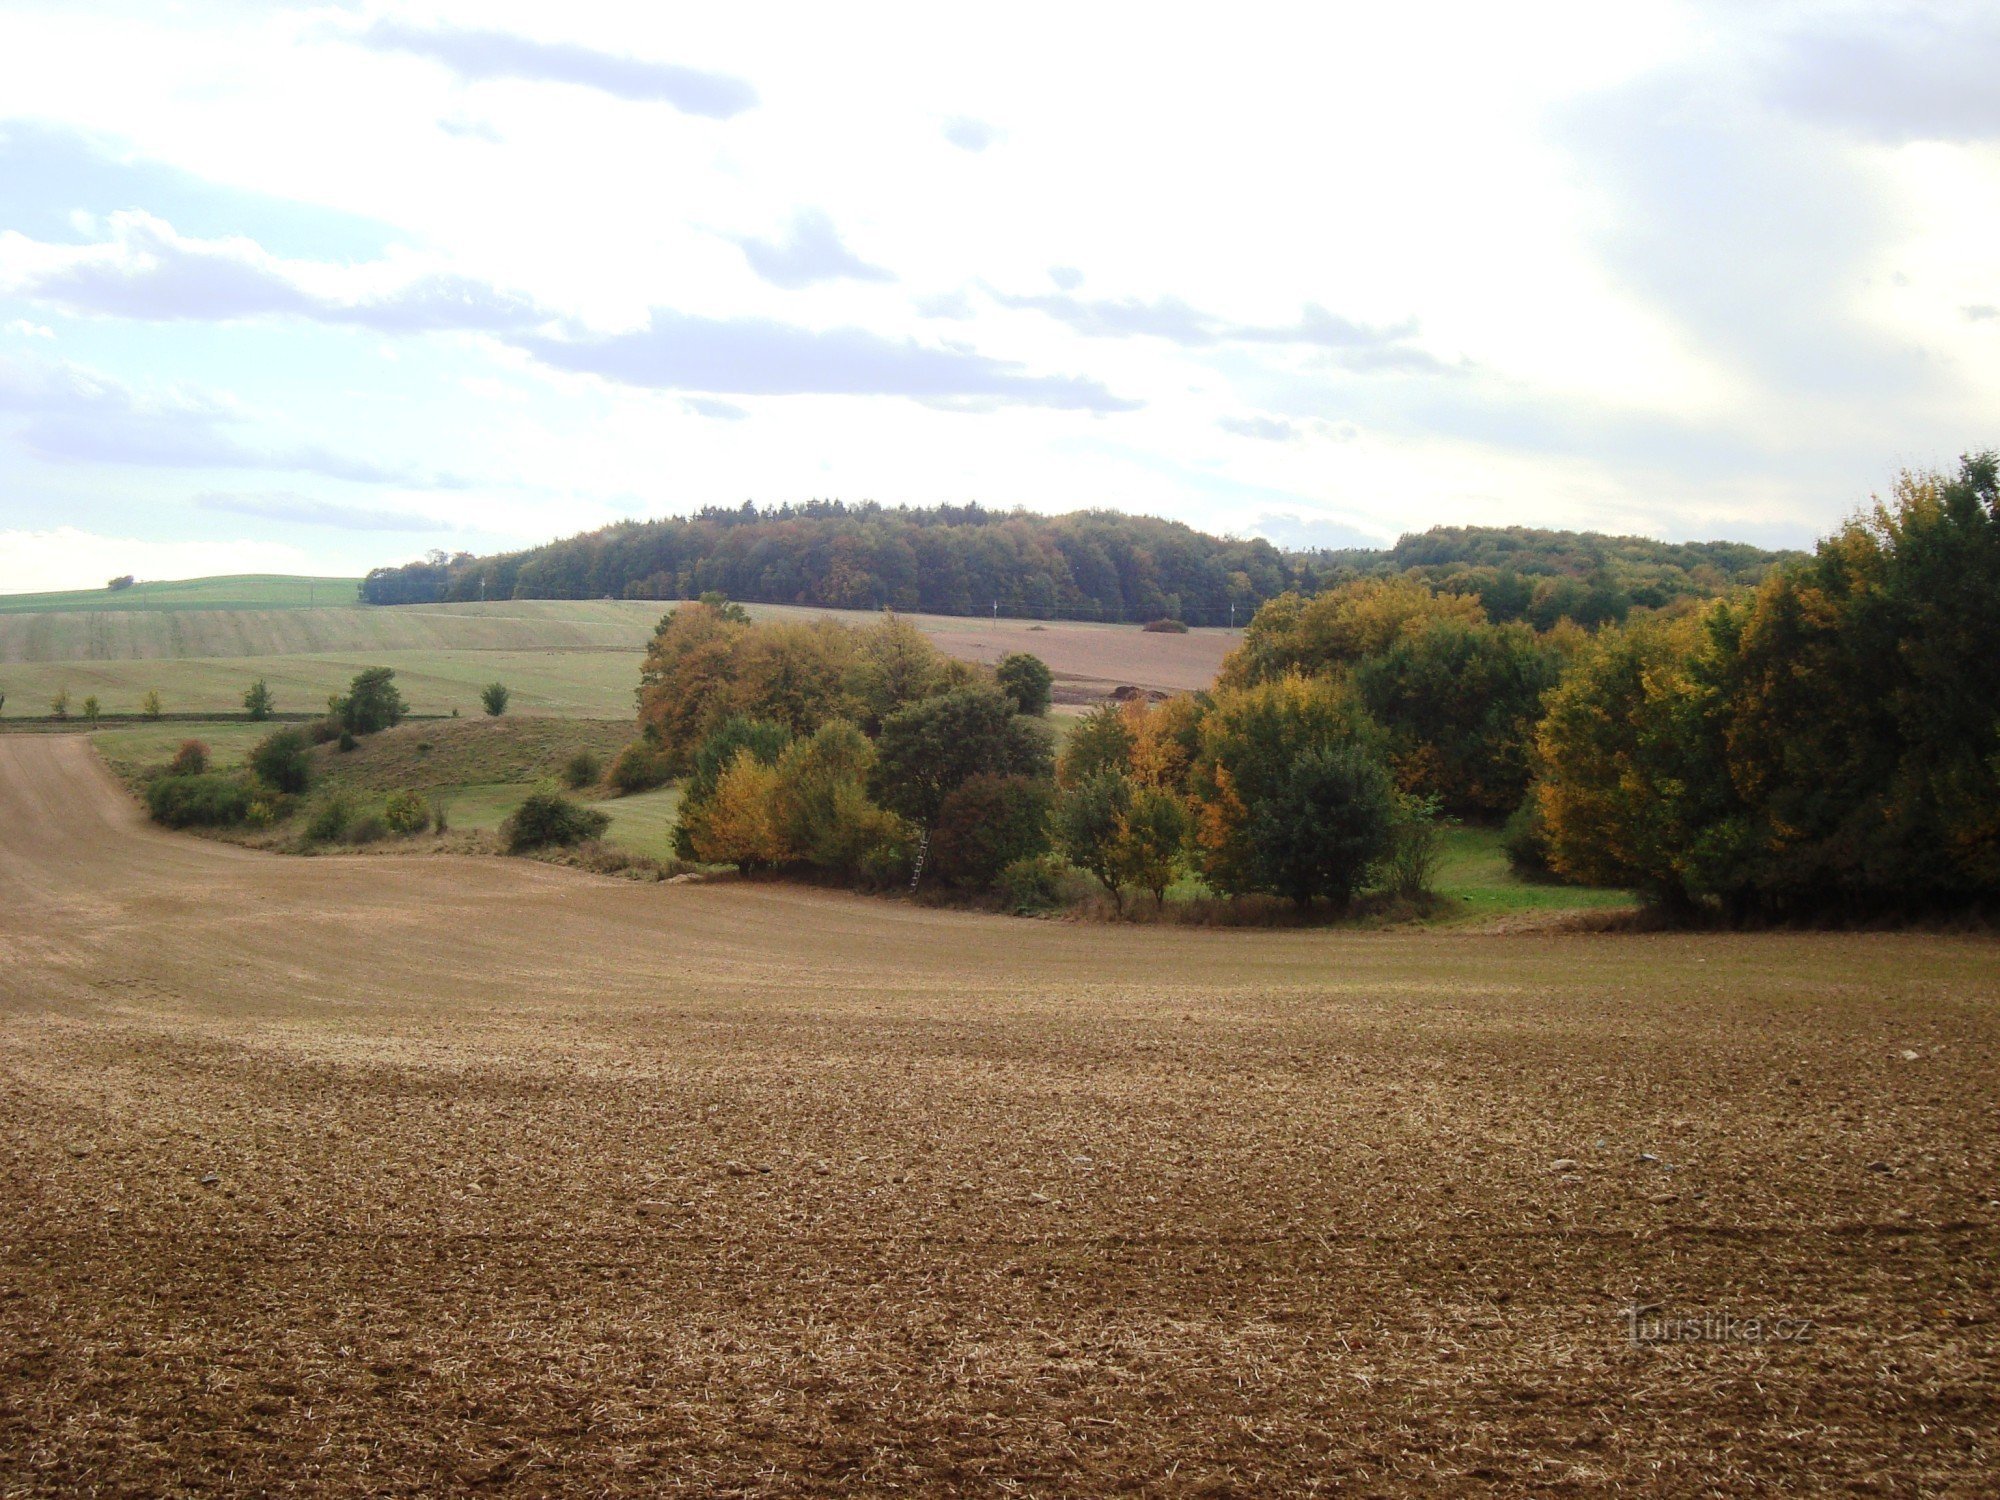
[(315, 289)]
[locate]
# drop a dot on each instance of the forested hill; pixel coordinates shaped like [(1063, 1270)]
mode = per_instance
[(1090, 565), (1522, 573)]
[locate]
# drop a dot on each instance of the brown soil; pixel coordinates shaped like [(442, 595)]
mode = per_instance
[(422, 1175)]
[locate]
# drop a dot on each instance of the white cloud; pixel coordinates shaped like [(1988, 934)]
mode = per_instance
[(1667, 266)]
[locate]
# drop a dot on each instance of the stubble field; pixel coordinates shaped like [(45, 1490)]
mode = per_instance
[(405, 1175)]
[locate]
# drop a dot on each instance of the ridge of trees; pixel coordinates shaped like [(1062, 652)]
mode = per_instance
[(1088, 565)]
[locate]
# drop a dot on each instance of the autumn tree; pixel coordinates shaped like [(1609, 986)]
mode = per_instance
[(930, 748), (740, 819)]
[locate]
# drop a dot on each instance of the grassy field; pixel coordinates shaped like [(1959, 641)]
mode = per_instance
[(421, 1175), (1475, 872), (239, 591), (572, 658)]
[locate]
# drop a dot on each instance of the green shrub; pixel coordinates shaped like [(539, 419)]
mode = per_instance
[(581, 770), (1417, 847), (406, 813), (494, 696), (323, 731), (1026, 679), (549, 818), (367, 829), (328, 819), (1526, 841), (372, 702), (988, 823), (280, 761), (257, 702), (190, 760), (440, 817), (92, 708), (639, 767), (149, 706), (886, 865), (346, 741), (1038, 883), (207, 801), (1166, 627)]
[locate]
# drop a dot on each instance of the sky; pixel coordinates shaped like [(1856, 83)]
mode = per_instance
[(318, 289)]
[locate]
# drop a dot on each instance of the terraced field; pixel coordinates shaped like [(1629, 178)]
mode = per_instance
[(420, 1175)]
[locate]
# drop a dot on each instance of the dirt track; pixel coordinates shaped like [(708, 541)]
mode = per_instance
[(533, 1181)]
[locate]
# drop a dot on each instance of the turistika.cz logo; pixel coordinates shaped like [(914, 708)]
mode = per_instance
[(1650, 1325)]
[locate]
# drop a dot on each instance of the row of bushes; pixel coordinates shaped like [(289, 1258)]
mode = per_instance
[(1284, 787)]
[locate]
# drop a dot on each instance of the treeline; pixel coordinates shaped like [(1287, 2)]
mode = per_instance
[(1544, 577), (947, 559), (1092, 565), (865, 755), (1826, 745)]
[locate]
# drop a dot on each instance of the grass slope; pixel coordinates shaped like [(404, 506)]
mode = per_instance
[(237, 591)]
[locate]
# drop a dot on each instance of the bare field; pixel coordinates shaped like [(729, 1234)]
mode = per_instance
[(577, 658), (388, 1175)]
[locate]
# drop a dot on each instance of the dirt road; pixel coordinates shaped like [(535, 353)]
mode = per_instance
[(394, 1175)]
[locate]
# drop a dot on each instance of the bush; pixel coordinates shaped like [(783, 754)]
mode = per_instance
[(440, 817), (346, 741), (59, 704), (208, 801), (1325, 826), (988, 823), (149, 706), (929, 749), (324, 731), (740, 823), (639, 767), (406, 813), (92, 708), (1027, 680), (825, 815), (550, 818), (1416, 849), (1526, 841), (190, 760), (373, 702), (280, 761), (494, 696), (581, 770), (367, 829), (885, 866), (257, 702), (1166, 627), (328, 819), (1036, 884), (1089, 823)]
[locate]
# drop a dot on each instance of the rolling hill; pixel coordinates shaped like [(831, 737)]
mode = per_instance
[(234, 591)]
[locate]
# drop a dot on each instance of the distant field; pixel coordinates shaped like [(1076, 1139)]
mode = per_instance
[(574, 658), (239, 591)]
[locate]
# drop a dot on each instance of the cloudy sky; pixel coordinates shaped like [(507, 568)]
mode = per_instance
[(318, 288)]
